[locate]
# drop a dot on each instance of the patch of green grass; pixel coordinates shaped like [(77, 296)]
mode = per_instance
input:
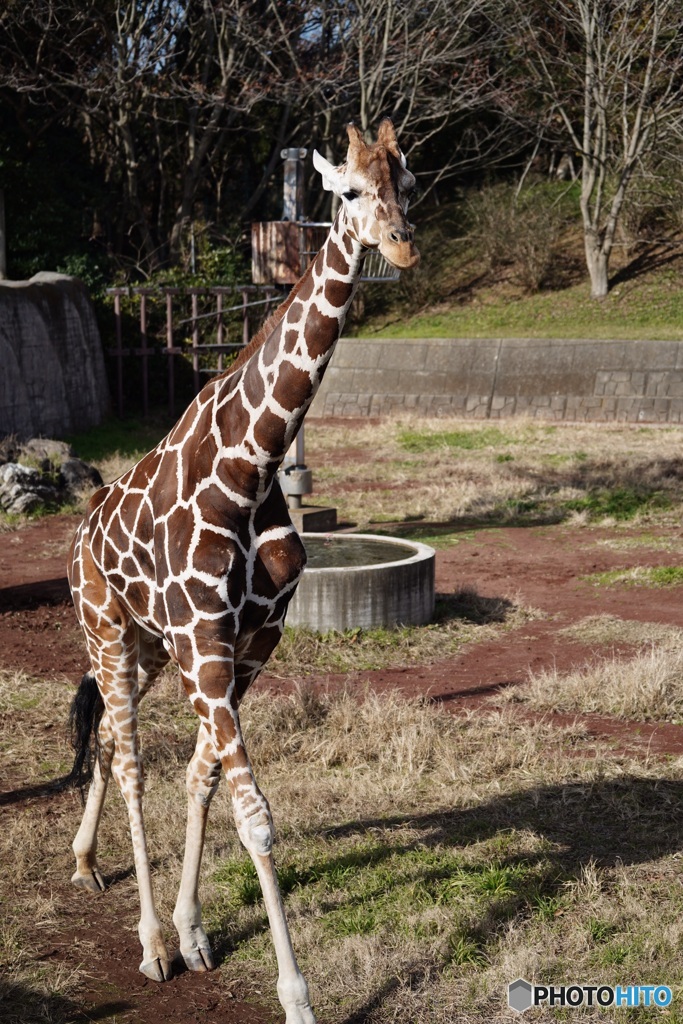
[(641, 576), (621, 503), (601, 931), (615, 954), (466, 949), (646, 307), (653, 541), (377, 888), (467, 440), (239, 882), (132, 437), (562, 458), (547, 908)]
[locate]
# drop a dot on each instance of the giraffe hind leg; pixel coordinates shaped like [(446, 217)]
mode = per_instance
[(93, 744), (89, 723)]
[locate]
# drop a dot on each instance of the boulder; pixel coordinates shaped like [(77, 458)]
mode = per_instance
[(42, 472), (77, 475), (24, 489)]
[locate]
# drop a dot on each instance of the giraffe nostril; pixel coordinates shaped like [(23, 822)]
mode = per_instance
[(398, 235)]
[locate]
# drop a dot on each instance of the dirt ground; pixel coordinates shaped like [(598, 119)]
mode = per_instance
[(540, 567)]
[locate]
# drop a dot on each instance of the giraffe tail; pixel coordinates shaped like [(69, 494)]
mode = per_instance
[(85, 715)]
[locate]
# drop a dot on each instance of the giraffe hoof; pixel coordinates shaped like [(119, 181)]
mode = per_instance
[(91, 880), (157, 970), (198, 959)]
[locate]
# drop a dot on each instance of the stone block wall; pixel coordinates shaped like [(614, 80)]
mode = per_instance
[(636, 381), (52, 374)]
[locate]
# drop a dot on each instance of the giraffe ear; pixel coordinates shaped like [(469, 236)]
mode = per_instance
[(333, 181), (386, 135)]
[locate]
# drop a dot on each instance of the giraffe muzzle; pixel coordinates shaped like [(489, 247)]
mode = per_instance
[(401, 253), (398, 245)]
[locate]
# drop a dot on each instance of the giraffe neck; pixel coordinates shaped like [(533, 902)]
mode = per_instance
[(261, 405)]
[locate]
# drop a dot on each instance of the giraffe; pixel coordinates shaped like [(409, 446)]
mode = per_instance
[(191, 556)]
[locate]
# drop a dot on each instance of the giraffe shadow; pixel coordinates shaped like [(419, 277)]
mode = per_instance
[(630, 820), (38, 790), (21, 1002)]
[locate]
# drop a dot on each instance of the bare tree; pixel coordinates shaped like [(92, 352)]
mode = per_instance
[(428, 66), (609, 74), (155, 86), (186, 104)]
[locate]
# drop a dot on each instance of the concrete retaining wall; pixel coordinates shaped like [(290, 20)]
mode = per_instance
[(52, 374), (639, 381)]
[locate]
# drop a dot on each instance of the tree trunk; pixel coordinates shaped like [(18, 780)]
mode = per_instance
[(597, 261)]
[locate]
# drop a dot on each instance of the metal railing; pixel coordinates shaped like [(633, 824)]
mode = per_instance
[(207, 334)]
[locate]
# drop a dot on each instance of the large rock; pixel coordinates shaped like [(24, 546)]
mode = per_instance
[(53, 378), (40, 472), (24, 489)]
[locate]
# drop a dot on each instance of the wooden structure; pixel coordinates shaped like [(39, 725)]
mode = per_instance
[(281, 250)]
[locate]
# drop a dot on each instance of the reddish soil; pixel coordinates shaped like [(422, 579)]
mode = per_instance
[(541, 567)]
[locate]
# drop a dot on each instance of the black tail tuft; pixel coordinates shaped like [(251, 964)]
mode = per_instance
[(86, 713)]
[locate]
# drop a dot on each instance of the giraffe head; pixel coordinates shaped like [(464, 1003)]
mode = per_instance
[(375, 186)]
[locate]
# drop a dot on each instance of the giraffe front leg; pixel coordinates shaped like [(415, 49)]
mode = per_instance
[(255, 828), (203, 775), (292, 989), (87, 874)]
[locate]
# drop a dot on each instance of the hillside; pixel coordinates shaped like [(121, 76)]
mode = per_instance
[(459, 292)]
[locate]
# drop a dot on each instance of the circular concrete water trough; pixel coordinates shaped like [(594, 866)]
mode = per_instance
[(359, 579)]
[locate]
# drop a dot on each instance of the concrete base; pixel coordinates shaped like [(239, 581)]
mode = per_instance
[(379, 594), (314, 518)]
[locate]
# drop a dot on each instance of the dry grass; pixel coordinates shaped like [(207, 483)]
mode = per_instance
[(450, 470), (647, 687), (417, 469), (610, 630), (460, 618), (422, 856)]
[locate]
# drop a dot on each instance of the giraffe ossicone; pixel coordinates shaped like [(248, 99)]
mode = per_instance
[(192, 556)]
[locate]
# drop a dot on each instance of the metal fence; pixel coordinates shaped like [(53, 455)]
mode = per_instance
[(199, 326)]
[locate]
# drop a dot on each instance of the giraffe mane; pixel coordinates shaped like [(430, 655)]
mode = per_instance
[(268, 325)]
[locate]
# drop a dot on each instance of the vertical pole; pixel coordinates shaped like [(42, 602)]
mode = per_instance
[(245, 318), (119, 351), (170, 355), (3, 238), (145, 370), (300, 454), (195, 343), (219, 329), (293, 183)]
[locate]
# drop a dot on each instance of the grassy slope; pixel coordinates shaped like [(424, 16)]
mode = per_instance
[(459, 297)]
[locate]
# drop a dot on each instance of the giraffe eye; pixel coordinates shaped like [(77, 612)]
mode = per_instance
[(350, 195)]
